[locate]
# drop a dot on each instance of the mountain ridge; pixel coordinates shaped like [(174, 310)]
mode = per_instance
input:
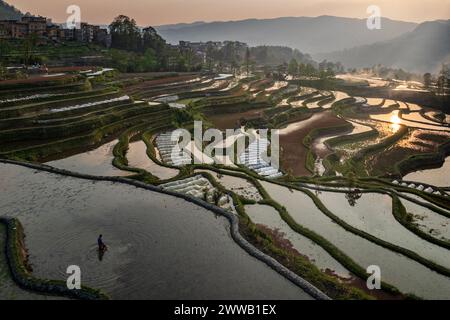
[(423, 49), (307, 34), (9, 12)]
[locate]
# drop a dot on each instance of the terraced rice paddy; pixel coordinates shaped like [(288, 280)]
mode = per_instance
[(269, 217), (232, 120), (428, 220), (318, 104), (157, 243), (253, 158), (410, 120), (293, 153), (321, 149), (372, 213), (137, 158), (238, 185), (436, 177), (162, 246), (165, 145), (404, 273), (97, 162), (200, 187), (9, 290)]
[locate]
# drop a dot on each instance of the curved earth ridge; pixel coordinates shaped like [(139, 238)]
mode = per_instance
[(233, 220), (27, 281)]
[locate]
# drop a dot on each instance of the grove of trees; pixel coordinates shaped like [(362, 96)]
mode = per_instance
[(144, 50)]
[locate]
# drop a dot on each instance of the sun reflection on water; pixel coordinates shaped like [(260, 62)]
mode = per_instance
[(395, 121)]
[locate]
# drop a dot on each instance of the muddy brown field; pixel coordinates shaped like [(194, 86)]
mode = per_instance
[(293, 152), (232, 120)]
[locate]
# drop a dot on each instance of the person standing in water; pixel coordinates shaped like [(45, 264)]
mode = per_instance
[(101, 246)]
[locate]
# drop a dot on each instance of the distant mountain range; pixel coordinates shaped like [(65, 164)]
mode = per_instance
[(308, 34), (410, 46), (422, 50), (8, 12)]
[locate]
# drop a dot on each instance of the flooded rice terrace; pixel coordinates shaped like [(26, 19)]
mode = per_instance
[(160, 247), (406, 274), (437, 177), (96, 162), (138, 158), (164, 247)]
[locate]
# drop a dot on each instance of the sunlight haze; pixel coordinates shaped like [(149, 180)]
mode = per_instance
[(158, 12)]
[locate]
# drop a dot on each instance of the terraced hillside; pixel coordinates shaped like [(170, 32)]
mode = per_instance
[(345, 197)]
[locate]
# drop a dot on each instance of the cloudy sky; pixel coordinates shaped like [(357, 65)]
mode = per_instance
[(157, 12)]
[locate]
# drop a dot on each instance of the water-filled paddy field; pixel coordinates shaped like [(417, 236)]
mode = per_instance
[(137, 158), (9, 290), (163, 247), (159, 246), (97, 162), (438, 177), (268, 216), (398, 270)]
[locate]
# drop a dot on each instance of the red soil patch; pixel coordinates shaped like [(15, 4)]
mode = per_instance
[(232, 120), (293, 152)]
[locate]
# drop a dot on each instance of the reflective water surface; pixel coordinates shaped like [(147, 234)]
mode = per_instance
[(137, 158), (159, 247), (97, 162), (402, 272)]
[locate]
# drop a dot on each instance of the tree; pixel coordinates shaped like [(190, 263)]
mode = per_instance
[(330, 72), (211, 54), (187, 56), (247, 60), (293, 67), (125, 34), (5, 49), (427, 80), (28, 47), (152, 40), (148, 61), (310, 71), (443, 80)]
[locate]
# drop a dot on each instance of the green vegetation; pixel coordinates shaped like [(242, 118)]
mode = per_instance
[(30, 131)]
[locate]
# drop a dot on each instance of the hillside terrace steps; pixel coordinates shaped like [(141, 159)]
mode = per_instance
[(200, 187), (252, 159), (166, 146)]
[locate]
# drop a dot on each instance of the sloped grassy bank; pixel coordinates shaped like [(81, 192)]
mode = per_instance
[(21, 272)]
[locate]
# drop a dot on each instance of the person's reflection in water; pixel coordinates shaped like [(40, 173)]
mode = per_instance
[(101, 253)]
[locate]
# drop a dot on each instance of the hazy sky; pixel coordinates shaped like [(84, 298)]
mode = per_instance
[(157, 12)]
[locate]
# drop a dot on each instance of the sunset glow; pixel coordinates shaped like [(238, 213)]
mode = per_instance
[(157, 12)]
